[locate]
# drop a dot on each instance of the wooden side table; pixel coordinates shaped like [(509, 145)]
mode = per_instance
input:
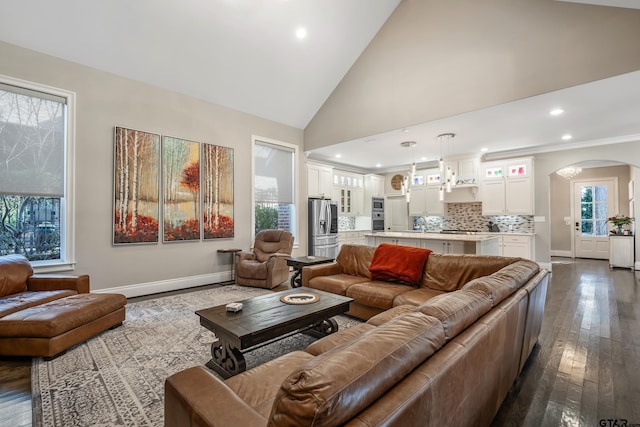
[(298, 262), (233, 263)]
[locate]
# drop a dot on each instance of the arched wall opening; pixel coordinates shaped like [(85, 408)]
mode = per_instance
[(546, 164)]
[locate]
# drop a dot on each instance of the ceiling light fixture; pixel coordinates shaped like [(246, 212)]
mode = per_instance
[(406, 191), (301, 33), (556, 111), (569, 172), (450, 179), (566, 137)]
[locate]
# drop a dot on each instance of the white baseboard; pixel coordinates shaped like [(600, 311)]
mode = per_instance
[(565, 254), (149, 288)]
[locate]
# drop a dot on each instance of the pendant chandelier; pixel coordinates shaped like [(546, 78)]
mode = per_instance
[(408, 178), (448, 178), (569, 172)]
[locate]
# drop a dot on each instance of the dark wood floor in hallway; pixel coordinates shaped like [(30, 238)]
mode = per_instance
[(585, 368), (586, 365)]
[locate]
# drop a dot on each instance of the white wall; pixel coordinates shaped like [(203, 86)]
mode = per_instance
[(104, 101)]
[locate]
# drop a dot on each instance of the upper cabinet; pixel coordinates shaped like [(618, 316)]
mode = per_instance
[(319, 180), (425, 194), (507, 187), (348, 192), (466, 171)]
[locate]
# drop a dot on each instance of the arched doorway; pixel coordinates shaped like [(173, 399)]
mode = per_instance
[(581, 204)]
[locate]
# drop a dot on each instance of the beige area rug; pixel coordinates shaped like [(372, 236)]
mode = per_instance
[(117, 378)]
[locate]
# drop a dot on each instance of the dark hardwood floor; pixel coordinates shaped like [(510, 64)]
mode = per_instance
[(585, 368)]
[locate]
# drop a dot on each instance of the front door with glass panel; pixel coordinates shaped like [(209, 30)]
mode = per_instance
[(594, 202)]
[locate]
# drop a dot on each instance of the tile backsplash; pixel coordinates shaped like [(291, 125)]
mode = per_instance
[(468, 216)]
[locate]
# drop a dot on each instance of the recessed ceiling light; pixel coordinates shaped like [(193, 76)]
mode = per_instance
[(484, 149), (301, 33), (556, 111), (338, 156), (378, 165), (405, 130), (423, 159), (566, 137)]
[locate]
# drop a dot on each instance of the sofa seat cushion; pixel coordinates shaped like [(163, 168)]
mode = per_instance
[(259, 385), (377, 294), (59, 316), (330, 341), (448, 272), (14, 271), (332, 388), (16, 302), (416, 297), (398, 263), (392, 313), (457, 310), (336, 284)]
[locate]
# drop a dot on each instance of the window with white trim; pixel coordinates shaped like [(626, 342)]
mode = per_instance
[(274, 186), (34, 139)]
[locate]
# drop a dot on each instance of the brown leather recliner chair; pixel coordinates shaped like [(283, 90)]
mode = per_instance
[(266, 266)]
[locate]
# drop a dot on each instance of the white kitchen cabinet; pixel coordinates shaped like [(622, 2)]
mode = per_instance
[(517, 246), (444, 247), (396, 213), (466, 170), (621, 252), (397, 241), (319, 180), (425, 199), (348, 193), (507, 187)]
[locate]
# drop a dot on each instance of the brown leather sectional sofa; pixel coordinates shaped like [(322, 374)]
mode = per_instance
[(446, 359), (44, 315)]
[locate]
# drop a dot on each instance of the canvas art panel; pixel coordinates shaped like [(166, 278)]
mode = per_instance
[(217, 189), (181, 189), (136, 186)]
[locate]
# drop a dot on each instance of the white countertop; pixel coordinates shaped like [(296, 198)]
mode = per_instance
[(436, 236)]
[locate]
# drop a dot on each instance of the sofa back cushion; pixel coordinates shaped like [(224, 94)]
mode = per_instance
[(333, 387), (448, 272), (506, 281), (457, 310), (14, 271), (398, 263), (356, 259)]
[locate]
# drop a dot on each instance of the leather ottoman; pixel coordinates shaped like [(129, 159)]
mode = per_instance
[(49, 329)]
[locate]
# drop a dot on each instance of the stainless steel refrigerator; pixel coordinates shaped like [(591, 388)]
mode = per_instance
[(323, 228)]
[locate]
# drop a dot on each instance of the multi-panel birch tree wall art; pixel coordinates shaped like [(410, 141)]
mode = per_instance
[(217, 188), (136, 186), (195, 178), (181, 188)]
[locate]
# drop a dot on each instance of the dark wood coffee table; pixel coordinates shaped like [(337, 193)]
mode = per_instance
[(263, 320)]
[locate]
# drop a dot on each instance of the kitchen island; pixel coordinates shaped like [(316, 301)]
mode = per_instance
[(475, 244)]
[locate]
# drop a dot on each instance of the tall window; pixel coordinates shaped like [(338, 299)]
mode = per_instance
[(274, 186), (33, 143)]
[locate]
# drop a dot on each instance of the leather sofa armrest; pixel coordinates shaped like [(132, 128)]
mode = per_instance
[(195, 397), (312, 271), (54, 282)]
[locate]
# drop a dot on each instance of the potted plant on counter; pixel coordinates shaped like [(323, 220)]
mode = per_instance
[(619, 221)]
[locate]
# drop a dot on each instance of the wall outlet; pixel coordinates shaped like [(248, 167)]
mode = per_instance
[(510, 227)]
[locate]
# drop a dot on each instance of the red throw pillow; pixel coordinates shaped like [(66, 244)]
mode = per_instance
[(400, 263)]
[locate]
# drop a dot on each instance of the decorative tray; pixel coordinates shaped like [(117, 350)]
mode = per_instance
[(300, 298)]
